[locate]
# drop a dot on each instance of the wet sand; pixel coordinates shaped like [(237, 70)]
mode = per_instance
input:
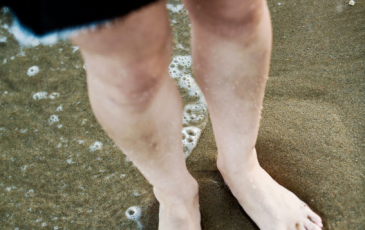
[(311, 140)]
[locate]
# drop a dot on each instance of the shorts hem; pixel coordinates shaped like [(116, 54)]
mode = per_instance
[(26, 37)]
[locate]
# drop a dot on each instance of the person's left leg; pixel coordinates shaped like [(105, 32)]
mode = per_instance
[(231, 45)]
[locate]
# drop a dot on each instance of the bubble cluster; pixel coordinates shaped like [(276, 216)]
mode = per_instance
[(195, 114), (30, 193), (54, 95), (176, 9), (44, 95), (134, 213), (33, 71), (179, 65), (190, 136), (40, 95), (53, 119), (190, 87)]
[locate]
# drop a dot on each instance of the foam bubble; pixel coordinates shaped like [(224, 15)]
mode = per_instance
[(134, 213), (24, 130), (75, 48), (196, 115), (188, 83), (53, 119), (54, 95), (33, 71), (24, 167), (135, 193), (59, 108), (30, 193), (44, 95), (190, 136), (40, 95), (176, 9), (96, 146), (179, 65)]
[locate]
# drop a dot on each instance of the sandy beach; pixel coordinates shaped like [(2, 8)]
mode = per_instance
[(59, 170)]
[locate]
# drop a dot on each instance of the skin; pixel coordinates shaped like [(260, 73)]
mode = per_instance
[(129, 86)]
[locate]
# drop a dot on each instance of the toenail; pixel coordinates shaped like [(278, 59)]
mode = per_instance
[(297, 226)]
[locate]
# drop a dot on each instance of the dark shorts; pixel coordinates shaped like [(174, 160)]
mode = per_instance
[(42, 17)]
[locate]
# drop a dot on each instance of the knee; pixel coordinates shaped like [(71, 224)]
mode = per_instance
[(133, 86), (226, 17), (127, 64)]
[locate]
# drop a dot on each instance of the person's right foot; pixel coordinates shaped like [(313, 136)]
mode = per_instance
[(179, 212)]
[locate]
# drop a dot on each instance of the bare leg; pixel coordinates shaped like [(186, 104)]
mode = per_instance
[(139, 106), (231, 41)]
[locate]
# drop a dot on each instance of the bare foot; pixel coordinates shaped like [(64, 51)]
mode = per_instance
[(270, 205), (179, 211)]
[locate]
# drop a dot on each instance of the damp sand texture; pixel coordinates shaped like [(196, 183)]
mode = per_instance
[(59, 170)]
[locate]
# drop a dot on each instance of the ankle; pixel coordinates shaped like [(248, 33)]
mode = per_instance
[(186, 191), (231, 165)]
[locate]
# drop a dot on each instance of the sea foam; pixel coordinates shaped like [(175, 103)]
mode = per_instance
[(195, 116)]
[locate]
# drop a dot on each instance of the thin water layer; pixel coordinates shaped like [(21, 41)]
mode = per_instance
[(60, 171)]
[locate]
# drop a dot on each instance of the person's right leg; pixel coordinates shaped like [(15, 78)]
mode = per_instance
[(139, 106), (231, 45)]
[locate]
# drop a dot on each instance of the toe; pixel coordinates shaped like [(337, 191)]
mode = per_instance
[(309, 225), (315, 218)]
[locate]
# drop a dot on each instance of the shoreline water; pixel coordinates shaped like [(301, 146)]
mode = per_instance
[(56, 175)]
